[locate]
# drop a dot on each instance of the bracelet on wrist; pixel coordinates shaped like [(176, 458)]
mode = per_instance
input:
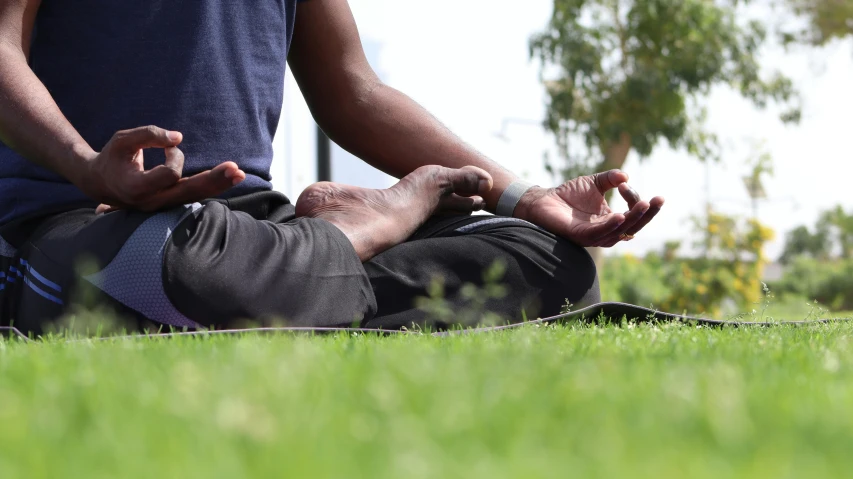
[(511, 196)]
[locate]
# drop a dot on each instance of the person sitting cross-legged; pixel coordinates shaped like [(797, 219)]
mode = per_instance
[(137, 137)]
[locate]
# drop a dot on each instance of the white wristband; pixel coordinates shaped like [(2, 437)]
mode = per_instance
[(511, 196)]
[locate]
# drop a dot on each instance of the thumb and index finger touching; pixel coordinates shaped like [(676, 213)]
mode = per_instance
[(639, 213), (618, 179), (159, 177), (163, 185)]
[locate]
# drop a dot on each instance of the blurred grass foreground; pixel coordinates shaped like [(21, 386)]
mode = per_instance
[(668, 401)]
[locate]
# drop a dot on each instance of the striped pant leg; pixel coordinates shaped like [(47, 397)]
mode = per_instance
[(221, 265)]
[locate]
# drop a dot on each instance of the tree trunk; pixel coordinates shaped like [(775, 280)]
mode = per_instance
[(614, 158)]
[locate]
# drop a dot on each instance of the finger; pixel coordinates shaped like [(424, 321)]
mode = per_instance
[(461, 204), (656, 204), (174, 159), (165, 175), (233, 172), (208, 184), (608, 180), (147, 137), (485, 183), (631, 218), (104, 209), (593, 232), (629, 194)]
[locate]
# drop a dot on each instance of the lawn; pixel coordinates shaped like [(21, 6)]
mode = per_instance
[(668, 401)]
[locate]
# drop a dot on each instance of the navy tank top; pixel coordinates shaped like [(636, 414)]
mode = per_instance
[(211, 69)]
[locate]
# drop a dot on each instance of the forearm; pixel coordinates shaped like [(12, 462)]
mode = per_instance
[(31, 122), (390, 131)]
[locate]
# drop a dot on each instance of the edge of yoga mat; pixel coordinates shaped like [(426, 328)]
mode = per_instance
[(589, 314)]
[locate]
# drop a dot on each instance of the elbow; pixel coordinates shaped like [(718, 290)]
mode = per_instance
[(341, 109), (11, 54)]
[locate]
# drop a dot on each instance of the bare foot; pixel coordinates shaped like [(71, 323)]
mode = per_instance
[(375, 220)]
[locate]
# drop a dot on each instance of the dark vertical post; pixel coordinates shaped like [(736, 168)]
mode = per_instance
[(324, 156)]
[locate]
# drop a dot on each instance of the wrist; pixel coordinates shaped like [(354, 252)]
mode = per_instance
[(77, 167), (511, 196), (528, 200)]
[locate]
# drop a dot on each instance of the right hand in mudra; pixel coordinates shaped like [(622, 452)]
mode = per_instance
[(116, 177)]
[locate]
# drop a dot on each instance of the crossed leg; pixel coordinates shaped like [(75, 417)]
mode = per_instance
[(222, 262)]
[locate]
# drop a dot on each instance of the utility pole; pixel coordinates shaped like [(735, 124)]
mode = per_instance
[(756, 191), (324, 156), (707, 207)]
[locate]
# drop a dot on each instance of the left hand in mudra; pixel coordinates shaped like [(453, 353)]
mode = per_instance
[(578, 211)]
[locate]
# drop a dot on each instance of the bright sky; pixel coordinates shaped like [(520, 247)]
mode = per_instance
[(467, 63)]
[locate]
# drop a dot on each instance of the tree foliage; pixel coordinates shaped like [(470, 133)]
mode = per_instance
[(830, 239), (825, 20), (802, 242), (625, 74)]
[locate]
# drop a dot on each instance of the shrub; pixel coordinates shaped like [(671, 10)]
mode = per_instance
[(728, 270), (830, 283)]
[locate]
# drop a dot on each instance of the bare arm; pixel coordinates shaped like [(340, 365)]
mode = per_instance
[(393, 133), (30, 121), (32, 124), (377, 123)]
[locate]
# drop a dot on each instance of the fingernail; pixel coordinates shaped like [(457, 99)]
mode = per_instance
[(175, 136), (484, 186), (479, 204)]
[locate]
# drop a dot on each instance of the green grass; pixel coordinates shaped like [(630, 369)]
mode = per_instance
[(671, 401)]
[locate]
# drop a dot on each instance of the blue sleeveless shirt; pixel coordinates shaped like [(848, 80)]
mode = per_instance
[(211, 69)]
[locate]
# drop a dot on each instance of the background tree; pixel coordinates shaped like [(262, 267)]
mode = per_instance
[(832, 238), (839, 224), (624, 74), (825, 20), (819, 261), (802, 242)]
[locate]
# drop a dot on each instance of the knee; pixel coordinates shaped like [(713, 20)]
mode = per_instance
[(221, 267), (576, 274), (551, 269)]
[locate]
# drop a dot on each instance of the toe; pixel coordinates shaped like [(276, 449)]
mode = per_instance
[(455, 204), (467, 181)]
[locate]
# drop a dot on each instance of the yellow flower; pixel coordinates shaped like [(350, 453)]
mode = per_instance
[(701, 289), (713, 229)]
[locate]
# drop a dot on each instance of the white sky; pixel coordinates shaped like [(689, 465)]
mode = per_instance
[(467, 62)]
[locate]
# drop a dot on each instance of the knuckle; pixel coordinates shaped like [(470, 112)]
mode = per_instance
[(135, 193), (172, 174), (120, 136)]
